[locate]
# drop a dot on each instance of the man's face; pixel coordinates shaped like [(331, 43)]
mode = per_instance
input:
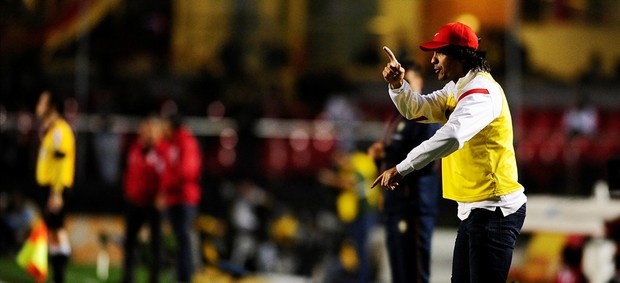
[(446, 67), (150, 131), (43, 105)]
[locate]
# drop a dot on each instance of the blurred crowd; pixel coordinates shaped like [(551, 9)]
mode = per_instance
[(247, 219)]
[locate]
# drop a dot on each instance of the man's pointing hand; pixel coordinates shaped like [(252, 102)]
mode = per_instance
[(393, 73)]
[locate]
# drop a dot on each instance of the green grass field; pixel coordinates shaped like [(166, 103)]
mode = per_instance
[(10, 272)]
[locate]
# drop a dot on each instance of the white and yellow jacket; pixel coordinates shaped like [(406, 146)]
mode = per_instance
[(479, 168)]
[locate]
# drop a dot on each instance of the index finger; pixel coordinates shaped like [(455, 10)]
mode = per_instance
[(376, 181), (390, 54)]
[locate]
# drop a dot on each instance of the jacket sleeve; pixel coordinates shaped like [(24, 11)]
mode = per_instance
[(186, 168), (428, 108), (132, 172), (189, 168)]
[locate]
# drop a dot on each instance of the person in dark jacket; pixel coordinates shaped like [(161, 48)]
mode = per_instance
[(409, 210)]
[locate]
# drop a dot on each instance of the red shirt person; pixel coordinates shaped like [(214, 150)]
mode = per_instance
[(180, 180), (181, 189), (142, 190), (145, 163)]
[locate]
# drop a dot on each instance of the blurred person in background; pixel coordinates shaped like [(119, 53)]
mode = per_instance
[(247, 222), (180, 184), (410, 208), (144, 198), (356, 206), (479, 168), (581, 120), (55, 172), (16, 216), (580, 124)]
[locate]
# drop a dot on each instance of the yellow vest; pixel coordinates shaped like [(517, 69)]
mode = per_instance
[(485, 167), (56, 160)]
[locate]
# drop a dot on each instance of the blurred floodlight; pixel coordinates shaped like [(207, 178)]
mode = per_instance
[(323, 139), (299, 139), (228, 138)]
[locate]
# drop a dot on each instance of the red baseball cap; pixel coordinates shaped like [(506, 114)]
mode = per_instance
[(452, 34)]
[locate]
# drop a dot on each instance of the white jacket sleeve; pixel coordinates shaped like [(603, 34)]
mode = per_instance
[(428, 108), (472, 114)]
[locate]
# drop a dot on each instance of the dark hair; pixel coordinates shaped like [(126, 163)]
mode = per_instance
[(56, 100), (472, 59), (176, 120), (411, 65)]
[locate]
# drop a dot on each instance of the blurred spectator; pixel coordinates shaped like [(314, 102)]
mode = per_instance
[(580, 124), (54, 175), (16, 216), (612, 231), (570, 270), (106, 142), (582, 118), (107, 145), (345, 115), (144, 202), (180, 183), (410, 208), (356, 205), (246, 222)]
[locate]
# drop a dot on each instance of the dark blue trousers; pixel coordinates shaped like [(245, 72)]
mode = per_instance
[(181, 219), (408, 238), (359, 230), (484, 245)]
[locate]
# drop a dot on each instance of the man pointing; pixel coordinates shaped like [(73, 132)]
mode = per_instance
[(475, 144)]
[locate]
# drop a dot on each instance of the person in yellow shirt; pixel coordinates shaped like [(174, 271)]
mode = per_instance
[(55, 171)]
